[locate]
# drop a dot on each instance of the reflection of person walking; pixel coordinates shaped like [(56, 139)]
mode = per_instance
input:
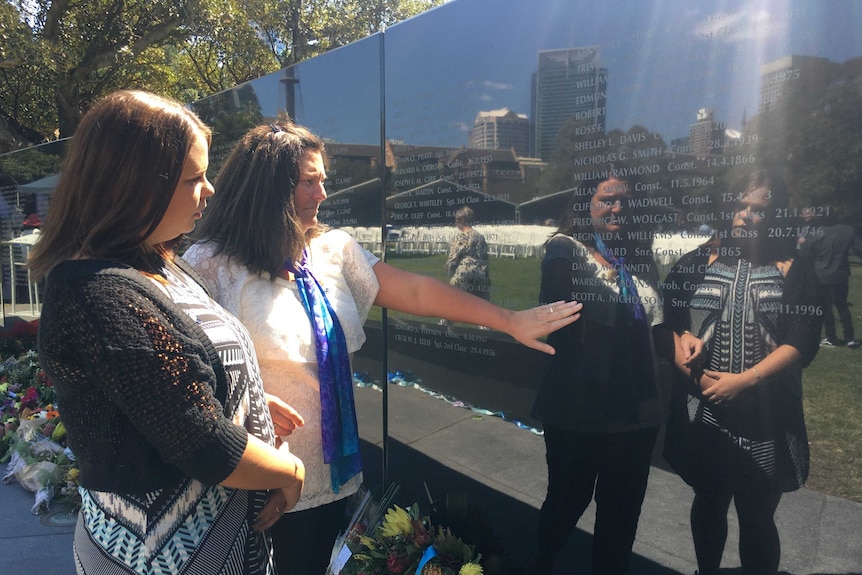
[(468, 257), (830, 246)]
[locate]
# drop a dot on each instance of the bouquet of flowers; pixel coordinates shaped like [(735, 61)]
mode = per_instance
[(32, 436), (406, 542), (365, 519)]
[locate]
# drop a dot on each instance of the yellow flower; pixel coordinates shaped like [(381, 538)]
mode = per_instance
[(367, 541), (396, 522), (471, 569), (72, 474)]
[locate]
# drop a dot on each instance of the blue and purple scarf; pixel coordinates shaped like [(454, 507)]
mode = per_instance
[(625, 281), (338, 414)]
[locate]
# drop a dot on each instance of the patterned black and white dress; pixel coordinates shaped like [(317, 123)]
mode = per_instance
[(742, 312), (190, 527)]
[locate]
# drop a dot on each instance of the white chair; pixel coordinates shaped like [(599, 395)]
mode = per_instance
[(19, 254)]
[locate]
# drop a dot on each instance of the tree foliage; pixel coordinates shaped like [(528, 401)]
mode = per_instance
[(26, 110), (813, 135), (57, 57)]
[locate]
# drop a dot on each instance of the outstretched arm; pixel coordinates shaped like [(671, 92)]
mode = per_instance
[(424, 296)]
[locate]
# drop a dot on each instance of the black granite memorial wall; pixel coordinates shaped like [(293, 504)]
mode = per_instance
[(509, 107)]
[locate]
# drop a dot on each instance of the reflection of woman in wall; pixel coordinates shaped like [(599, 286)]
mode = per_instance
[(304, 292), (598, 399), (467, 264), (748, 321)]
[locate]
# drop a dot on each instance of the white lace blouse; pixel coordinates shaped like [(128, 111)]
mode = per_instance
[(284, 338)]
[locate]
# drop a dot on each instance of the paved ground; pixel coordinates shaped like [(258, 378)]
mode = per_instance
[(501, 469)]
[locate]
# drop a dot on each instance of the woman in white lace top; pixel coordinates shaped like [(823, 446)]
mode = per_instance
[(304, 292)]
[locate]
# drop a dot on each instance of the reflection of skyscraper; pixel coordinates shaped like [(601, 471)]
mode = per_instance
[(706, 136), (776, 76), (501, 129), (568, 84)]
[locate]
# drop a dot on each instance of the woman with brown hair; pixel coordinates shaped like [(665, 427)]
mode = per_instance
[(157, 385), (598, 400), (747, 319), (303, 292)]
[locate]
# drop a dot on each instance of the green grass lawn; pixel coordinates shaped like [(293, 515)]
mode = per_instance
[(514, 283), (832, 383), (833, 410)]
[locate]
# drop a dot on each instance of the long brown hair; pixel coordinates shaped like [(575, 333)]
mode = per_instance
[(252, 217), (123, 166)]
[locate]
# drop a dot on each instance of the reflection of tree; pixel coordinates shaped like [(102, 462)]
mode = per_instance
[(579, 155), (814, 130), (30, 165), (230, 115), (347, 172), (812, 134)]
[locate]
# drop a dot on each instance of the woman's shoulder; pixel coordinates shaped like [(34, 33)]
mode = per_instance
[(334, 237), (90, 274), (214, 266), (564, 246), (696, 257), (200, 251), (99, 288), (338, 245)]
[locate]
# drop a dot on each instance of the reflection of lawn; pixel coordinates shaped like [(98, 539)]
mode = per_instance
[(833, 384), (514, 283), (833, 411)]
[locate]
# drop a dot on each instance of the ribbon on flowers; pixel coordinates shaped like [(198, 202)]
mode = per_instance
[(429, 554)]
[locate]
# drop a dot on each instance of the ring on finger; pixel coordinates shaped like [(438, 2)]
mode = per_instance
[(277, 510), (550, 309)]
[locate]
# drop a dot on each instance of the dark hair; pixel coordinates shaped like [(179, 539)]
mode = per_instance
[(778, 197), (122, 168), (252, 216), (777, 246), (465, 215), (576, 219)]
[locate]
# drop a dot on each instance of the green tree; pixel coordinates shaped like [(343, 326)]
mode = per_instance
[(577, 154), (26, 112), (78, 51), (57, 57), (812, 135), (295, 30)]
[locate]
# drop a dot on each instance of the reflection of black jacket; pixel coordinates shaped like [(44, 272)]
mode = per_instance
[(602, 377), (830, 246)]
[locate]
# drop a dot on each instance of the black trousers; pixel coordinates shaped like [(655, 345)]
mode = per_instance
[(302, 541), (836, 295), (612, 466)]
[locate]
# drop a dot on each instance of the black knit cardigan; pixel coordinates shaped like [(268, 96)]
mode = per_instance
[(140, 387)]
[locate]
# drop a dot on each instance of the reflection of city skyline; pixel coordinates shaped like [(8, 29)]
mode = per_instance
[(461, 112), (660, 80), (582, 91)]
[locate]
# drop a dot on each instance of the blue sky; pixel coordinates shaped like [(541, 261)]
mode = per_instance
[(665, 60)]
